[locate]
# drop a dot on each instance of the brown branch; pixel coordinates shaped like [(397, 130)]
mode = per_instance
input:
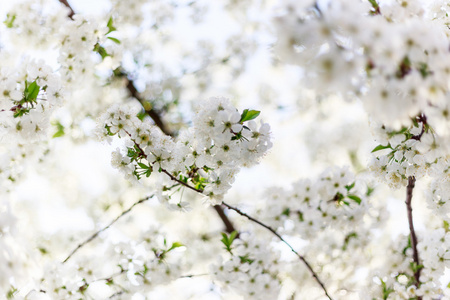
[(93, 236), (409, 194), (422, 118), (302, 258), (71, 13), (150, 111), (158, 122), (229, 227), (181, 182)]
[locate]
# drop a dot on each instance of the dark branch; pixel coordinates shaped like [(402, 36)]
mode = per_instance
[(158, 122), (71, 13), (302, 258), (150, 111), (229, 227), (409, 194), (107, 226), (181, 182), (422, 118)]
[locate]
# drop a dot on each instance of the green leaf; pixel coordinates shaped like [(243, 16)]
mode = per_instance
[(141, 115), (143, 166), (31, 91), (374, 4), (60, 130), (355, 198), (381, 147), (101, 50), (110, 25), (114, 40), (349, 187), (175, 245), (228, 240), (9, 20), (43, 250), (245, 259), (286, 212), (248, 115), (347, 239), (11, 293), (58, 134)]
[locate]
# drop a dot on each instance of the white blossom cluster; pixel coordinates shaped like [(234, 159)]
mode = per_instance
[(78, 40), (137, 266), (251, 270), (416, 151), (36, 23), (395, 278), (28, 97), (335, 200), (207, 156), (438, 195), (129, 12), (30, 92), (394, 55), (434, 249), (12, 257)]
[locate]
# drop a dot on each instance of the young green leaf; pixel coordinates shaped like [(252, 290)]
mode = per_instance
[(60, 130), (248, 115), (110, 25), (31, 91), (349, 187), (9, 20), (355, 198), (228, 240), (143, 166), (114, 40), (101, 50), (381, 147), (175, 245)]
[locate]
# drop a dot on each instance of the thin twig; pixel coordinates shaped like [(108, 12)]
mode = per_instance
[(109, 279), (116, 294), (71, 13), (194, 275), (107, 226), (302, 258), (151, 112), (409, 194), (181, 182), (422, 118)]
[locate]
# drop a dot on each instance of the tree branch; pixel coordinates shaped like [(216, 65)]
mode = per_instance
[(158, 122), (422, 118), (229, 227), (93, 236), (71, 13), (302, 258), (409, 194), (150, 111)]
